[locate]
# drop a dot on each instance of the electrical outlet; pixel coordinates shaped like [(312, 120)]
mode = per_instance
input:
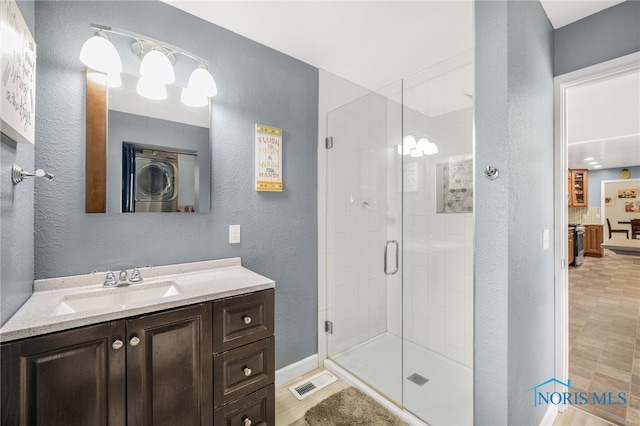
[(234, 234), (597, 215)]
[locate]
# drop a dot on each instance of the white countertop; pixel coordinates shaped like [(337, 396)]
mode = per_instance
[(198, 282)]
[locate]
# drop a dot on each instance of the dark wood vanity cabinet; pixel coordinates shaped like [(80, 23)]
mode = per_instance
[(243, 361), (72, 377), (169, 374), (150, 370)]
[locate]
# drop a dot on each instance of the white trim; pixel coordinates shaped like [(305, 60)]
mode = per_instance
[(561, 84), (295, 370), (354, 381), (549, 416)]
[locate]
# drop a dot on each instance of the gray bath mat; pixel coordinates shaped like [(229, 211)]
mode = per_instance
[(350, 407)]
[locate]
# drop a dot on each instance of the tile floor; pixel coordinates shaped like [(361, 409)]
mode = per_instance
[(604, 333)]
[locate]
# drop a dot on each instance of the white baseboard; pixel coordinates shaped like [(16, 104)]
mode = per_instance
[(549, 416), (297, 369)]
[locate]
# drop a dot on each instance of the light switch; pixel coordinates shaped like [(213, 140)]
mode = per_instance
[(545, 239), (234, 234)]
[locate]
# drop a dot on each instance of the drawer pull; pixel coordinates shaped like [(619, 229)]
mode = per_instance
[(134, 341), (246, 421), (117, 344), (247, 371), (246, 319)]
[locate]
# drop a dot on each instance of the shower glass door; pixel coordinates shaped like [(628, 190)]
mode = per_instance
[(400, 177), (364, 219)]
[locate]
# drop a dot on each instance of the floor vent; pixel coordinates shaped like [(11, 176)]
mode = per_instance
[(313, 384), (418, 379)]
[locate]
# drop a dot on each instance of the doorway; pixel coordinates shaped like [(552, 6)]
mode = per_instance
[(565, 86)]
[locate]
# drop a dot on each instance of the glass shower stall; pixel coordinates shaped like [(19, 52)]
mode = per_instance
[(399, 239)]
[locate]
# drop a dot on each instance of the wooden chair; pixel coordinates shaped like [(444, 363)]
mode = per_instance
[(616, 231), (635, 228)]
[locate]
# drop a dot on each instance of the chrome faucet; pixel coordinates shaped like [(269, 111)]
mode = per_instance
[(123, 278), (110, 280), (135, 277)]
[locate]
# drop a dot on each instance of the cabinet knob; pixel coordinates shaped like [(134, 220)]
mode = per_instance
[(246, 421), (246, 319), (117, 344), (247, 371), (134, 341)]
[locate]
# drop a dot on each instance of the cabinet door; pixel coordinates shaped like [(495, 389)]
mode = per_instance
[(570, 250), (169, 368), (592, 240), (74, 377)]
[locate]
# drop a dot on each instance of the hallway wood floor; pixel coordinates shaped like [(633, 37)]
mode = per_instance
[(604, 333)]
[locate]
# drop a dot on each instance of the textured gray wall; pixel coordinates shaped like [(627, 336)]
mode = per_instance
[(256, 85), (491, 215), (609, 34), (16, 216), (514, 322)]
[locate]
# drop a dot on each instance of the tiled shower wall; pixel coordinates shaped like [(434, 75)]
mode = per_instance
[(438, 242), (438, 249)]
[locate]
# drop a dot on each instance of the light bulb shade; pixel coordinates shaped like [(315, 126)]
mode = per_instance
[(151, 89), (193, 99), (99, 54), (415, 152), (423, 144), (201, 81), (157, 66), (409, 142), (430, 149)]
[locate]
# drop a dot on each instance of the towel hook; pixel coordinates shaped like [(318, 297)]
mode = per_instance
[(18, 174)]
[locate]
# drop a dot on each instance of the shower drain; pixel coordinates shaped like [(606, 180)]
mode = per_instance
[(418, 379)]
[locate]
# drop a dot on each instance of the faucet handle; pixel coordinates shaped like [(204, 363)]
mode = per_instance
[(110, 279), (135, 277)]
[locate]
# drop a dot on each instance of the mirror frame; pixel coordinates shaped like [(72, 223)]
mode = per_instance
[(96, 145)]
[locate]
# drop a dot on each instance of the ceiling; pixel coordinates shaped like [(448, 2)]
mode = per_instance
[(376, 43), (603, 122)]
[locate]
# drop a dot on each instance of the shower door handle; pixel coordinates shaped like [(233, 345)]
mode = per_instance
[(386, 249)]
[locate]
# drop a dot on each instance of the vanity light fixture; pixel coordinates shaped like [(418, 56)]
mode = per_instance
[(416, 149), (100, 54), (156, 68)]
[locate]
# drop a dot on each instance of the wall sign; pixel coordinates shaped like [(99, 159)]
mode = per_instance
[(17, 75), (268, 158)]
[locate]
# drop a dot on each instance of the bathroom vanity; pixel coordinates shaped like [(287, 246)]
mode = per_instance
[(202, 355)]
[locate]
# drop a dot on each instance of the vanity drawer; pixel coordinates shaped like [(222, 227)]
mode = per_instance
[(257, 409), (242, 319), (243, 370)]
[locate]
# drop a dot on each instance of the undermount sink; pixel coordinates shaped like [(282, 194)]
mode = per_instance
[(116, 297)]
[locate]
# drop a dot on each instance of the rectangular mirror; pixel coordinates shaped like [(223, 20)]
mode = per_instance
[(145, 155)]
